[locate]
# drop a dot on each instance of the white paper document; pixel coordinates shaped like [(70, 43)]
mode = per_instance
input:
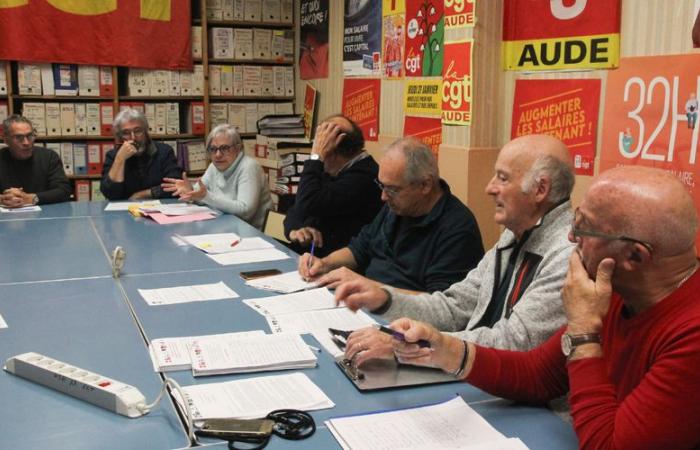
[(236, 354), (250, 256), (185, 294), (449, 425), (310, 300), (254, 397), (213, 243), (3, 324), (173, 353), (20, 209), (317, 323), (124, 206), (285, 283)]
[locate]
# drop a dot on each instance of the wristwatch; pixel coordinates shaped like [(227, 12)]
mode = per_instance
[(35, 199), (570, 341), (314, 157)]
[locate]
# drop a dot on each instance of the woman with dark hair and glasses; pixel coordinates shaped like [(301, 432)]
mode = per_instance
[(233, 183)]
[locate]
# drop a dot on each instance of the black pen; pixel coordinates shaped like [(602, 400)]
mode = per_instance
[(422, 343)]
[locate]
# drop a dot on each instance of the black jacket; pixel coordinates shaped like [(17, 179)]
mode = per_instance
[(337, 206), (145, 171), (42, 174)]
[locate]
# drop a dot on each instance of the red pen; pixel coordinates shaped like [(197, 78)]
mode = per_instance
[(235, 243)]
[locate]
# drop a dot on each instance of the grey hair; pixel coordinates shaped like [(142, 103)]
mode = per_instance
[(227, 130), (558, 171), (11, 120), (128, 115), (420, 160)]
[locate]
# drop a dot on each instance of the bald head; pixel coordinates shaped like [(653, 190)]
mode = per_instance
[(648, 204), (540, 155)]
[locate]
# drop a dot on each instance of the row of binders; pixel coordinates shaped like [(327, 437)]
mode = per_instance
[(70, 119), (251, 81), (87, 158), (249, 44), (276, 11), (244, 116), (95, 119), (64, 80), (172, 83)]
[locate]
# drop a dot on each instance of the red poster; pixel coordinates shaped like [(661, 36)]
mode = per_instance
[(566, 109), (651, 114), (561, 34), (145, 33), (457, 83), (427, 130), (361, 104), (459, 13), (425, 29)]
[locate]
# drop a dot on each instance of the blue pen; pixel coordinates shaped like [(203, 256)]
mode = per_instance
[(311, 259), (422, 343)]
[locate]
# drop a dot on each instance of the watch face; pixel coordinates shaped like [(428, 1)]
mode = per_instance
[(566, 344)]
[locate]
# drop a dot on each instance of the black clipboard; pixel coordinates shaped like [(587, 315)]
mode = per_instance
[(388, 374)]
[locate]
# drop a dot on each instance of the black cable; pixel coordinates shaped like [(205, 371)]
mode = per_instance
[(290, 424)]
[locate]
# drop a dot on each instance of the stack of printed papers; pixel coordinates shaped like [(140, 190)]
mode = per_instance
[(320, 298), (285, 283), (236, 354), (173, 353), (317, 322), (186, 294), (449, 425), (253, 398), (229, 248)]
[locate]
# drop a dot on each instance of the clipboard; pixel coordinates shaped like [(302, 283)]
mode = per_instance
[(388, 374)]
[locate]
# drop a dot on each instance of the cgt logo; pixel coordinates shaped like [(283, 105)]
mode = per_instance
[(150, 9), (456, 90)]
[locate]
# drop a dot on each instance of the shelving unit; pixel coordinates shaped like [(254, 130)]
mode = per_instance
[(240, 110)]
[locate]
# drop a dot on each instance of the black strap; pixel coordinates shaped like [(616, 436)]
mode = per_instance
[(290, 424)]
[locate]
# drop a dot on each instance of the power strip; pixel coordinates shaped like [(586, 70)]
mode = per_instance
[(105, 392)]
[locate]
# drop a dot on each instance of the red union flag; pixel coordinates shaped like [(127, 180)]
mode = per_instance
[(153, 34), (457, 83), (561, 34)]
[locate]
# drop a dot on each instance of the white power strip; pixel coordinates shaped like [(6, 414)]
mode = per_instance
[(105, 392)]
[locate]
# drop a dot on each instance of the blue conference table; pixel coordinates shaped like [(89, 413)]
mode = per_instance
[(87, 236)]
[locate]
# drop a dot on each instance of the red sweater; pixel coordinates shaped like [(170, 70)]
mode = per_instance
[(644, 393)]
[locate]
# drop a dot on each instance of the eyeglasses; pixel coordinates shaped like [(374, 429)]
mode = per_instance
[(221, 148), (577, 232), (391, 191), (136, 132), (21, 137)]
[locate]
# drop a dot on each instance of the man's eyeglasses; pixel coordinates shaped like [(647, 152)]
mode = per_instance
[(21, 137), (135, 132), (221, 148), (577, 232), (391, 191)]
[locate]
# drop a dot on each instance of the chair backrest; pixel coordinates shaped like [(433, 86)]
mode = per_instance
[(274, 226)]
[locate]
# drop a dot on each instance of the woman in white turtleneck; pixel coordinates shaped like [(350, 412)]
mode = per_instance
[(233, 183)]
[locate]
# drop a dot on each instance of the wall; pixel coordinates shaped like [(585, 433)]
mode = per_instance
[(649, 27)]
